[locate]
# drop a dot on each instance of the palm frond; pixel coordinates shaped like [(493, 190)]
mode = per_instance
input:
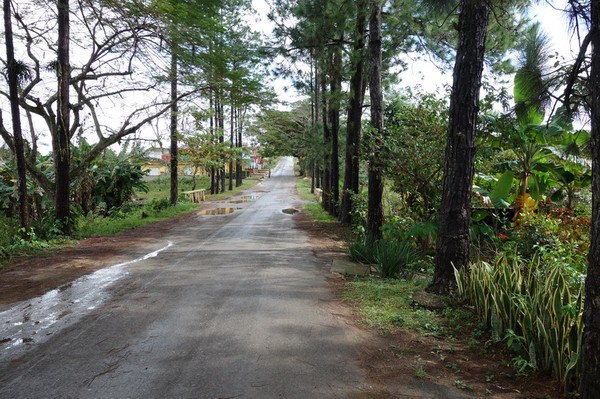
[(531, 82)]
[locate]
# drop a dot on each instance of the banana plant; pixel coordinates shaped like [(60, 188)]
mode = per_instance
[(543, 152)]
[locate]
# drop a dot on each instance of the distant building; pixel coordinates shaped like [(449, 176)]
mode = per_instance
[(257, 162), (158, 160)]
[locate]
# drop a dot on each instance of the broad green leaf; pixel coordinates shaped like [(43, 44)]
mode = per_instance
[(501, 191)]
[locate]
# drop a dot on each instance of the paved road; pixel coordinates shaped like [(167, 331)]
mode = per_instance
[(231, 306)]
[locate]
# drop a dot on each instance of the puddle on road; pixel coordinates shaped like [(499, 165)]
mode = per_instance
[(290, 211), (217, 211), (245, 198), (33, 321)]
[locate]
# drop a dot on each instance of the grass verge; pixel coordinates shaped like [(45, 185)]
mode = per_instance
[(388, 306), (155, 208), (99, 226), (95, 226), (313, 209)]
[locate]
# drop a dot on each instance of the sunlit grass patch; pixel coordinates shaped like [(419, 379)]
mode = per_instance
[(387, 305), (303, 185), (314, 210)]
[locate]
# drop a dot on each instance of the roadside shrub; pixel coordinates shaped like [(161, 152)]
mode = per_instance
[(393, 259), (537, 306), (10, 230), (359, 214), (9, 226), (421, 233), (557, 238), (158, 204), (413, 154), (48, 228), (362, 251)]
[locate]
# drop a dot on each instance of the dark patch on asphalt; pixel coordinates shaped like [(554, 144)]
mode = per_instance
[(245, 198), (217, 211)]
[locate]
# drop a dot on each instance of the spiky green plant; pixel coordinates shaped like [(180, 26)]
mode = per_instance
[(537, 302), (392, 259)]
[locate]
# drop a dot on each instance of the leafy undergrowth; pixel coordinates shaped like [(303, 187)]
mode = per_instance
[(413, 337), (439, 340)]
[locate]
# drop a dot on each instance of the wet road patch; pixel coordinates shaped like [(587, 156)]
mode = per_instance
[(245, 198), (217, 211)]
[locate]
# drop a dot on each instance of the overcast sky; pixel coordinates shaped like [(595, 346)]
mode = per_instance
[(423, 73)]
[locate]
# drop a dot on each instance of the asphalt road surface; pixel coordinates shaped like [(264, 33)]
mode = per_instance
[(228, 307)]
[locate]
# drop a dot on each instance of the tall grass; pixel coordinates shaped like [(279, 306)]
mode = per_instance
[(539, 306), (160, 187), (392, 259), (96, 226)]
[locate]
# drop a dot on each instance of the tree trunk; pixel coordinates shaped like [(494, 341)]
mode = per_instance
[(315, 125), (313, 170), (334, 117), (13, 87), (61, 141), (221, 121), (374, 206), (213, 180), (319, 179), (239, 167), (452, 247), (231, 137), (32, 158), (326, 200), (173, 126), (591, 333), (354, 123)]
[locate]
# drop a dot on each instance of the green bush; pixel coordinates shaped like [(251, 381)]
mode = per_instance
[(532, 294), (393, 259), (10, 229), (558, 238), (158, 204), (363, 251), (537, 306), (359, 213), (421, 233), (413, 153)]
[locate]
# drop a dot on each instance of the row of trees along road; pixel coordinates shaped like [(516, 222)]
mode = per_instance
[(70, 63), (338, 43), (107, 69)]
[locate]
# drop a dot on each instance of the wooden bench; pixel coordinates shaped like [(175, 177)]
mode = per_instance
[(196, 196)]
